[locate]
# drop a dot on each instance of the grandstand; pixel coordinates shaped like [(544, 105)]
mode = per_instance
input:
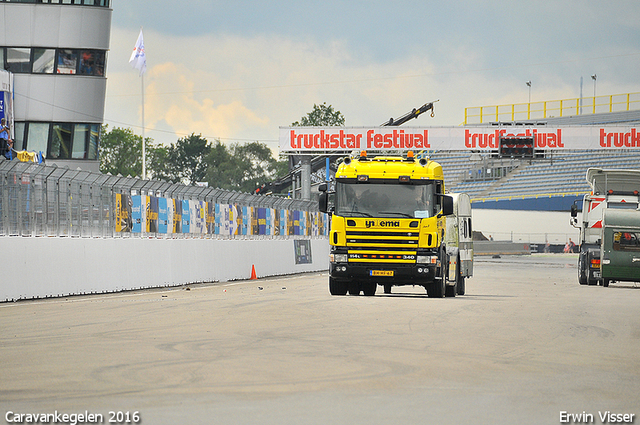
[(549, 183)]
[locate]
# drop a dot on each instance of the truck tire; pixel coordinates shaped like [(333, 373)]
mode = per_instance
[(337, 287), (460, 289), (605, 282), (451, 291), (436, 289), (582, 273), (369, 289), (354, 288), (460, 284), (387, 288)]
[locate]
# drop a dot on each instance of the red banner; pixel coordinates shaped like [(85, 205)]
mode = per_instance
[(347, 139)]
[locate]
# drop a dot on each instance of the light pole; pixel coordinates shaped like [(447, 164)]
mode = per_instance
[(594, 77), (528, 83)]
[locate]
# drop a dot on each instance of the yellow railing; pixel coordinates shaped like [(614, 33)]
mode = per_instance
[(552, 108), (527, 196)]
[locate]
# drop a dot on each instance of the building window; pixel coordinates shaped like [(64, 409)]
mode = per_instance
[(81, 135), (37, 137), (92, 62), (65, 141), (18, 60), (60, 147), (67, 61), (94, 137), (44, 61), (103, 3), (41, 60), (18, 136)]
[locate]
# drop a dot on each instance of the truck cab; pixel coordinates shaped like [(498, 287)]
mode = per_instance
[(388, 226)]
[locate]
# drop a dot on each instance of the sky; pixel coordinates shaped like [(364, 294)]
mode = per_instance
[(237, 71)]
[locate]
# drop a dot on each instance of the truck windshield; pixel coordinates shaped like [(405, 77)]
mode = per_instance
[(386, 200)]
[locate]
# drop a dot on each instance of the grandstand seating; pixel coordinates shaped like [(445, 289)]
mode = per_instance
[(556, 176)]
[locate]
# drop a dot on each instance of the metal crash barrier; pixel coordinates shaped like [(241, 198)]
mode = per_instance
[(40, 200)]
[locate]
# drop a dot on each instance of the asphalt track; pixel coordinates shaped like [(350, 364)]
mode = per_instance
[(524, 345)]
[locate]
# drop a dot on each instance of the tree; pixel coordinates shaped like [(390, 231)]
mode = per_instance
[(121, 151), (241, 167), (186, 159), (159, 164), (220, 167), (258, 164), (191, 159), (321, 116)]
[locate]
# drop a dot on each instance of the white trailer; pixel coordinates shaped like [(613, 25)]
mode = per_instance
[(459, 241)]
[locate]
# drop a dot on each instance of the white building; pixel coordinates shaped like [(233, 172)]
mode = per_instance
[(57, 50)]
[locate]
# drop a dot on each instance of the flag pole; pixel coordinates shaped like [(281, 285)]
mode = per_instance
[(144, 165), (139, 61)]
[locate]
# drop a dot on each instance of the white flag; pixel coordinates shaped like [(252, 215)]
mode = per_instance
[(138, 58)]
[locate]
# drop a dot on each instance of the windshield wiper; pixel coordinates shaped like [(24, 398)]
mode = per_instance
[(348, 213), (396, 212)]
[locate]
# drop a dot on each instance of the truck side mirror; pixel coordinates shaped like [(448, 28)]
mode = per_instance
[(574, 210), (447, 205), (323, 202)]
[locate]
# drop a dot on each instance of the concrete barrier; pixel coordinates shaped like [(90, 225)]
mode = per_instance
[(500, 248), (52, 267)]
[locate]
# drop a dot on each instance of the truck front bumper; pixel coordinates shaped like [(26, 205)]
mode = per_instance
[(385, 273)]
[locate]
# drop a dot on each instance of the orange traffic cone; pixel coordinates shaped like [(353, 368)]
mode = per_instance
[(253, 272)]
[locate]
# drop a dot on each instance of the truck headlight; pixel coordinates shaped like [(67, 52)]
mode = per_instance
[(427, 259), (338, 258)]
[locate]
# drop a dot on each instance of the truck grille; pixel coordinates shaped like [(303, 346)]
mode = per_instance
[(382, 246)]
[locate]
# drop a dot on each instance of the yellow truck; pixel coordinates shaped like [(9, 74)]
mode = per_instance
[(388, 226)]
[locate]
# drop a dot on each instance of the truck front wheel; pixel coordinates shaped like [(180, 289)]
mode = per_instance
[(354, 288), (436, 289), (582, 272), (337, 287), (369, 288)]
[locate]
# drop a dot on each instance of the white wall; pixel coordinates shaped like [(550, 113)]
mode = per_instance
[(45, 267), (55, 25), (526, 226)]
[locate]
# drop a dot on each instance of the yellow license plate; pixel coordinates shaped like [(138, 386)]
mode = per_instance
[(381, 273)]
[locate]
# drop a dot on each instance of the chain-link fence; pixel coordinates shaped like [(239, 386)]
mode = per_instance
[(39, 200)]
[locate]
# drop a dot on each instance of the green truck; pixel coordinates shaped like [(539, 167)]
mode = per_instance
[(609, 227), (620, 250)]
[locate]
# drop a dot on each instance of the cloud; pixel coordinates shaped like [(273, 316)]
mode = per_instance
[(238, 88), (243, 87)]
